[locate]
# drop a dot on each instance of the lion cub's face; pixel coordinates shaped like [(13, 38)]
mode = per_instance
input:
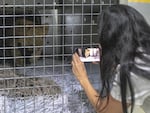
[(29, 40)]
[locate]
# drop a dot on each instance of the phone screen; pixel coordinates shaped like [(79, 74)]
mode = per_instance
[(89, 54)]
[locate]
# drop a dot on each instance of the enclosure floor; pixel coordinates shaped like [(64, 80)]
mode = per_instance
[(71, 100)]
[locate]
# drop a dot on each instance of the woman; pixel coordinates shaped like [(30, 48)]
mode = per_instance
[(125, 40)]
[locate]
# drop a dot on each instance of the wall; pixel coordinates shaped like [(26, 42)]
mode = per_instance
[(143, 6)]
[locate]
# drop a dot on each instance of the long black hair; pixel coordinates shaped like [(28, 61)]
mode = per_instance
[(122, 29)]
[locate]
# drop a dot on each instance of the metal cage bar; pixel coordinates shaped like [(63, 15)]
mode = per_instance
[(37, 39)]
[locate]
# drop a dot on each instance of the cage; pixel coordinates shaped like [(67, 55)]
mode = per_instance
[(37, 39)]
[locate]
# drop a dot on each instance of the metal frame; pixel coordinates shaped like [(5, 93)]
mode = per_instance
[(37, 39)]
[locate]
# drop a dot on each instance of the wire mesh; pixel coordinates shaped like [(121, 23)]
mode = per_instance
[(37, 39)]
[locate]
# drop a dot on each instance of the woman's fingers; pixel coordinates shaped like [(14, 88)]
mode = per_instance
[(76, 58)]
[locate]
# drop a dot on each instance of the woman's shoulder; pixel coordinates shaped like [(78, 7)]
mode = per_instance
[(141, 87), (137, 109), (146, 105)]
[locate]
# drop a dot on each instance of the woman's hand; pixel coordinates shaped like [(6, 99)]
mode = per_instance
[(78, 68)]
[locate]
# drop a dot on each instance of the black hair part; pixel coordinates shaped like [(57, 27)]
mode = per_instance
[(122, 30)]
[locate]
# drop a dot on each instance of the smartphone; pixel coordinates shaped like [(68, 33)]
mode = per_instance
[(89, 54)]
